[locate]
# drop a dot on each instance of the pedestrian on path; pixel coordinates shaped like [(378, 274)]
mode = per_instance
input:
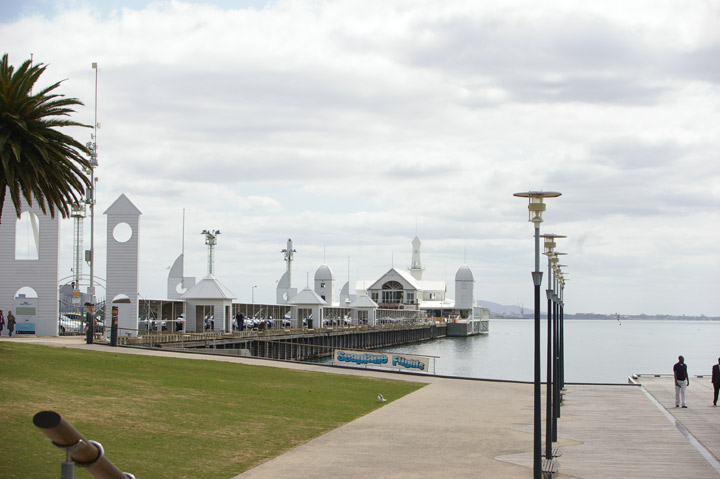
[(715, 380), (2, 322), (682, 380), (10, 323)]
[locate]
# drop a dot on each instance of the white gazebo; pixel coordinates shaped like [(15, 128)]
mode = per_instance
[(208, 301), (307, 305), (363, 310)]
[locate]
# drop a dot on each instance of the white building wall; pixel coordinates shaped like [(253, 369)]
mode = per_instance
[(221, 320), (464, 295), (123, 264), (39, 274), (324, 288)]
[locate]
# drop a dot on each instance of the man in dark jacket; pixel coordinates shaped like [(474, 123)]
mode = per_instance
[(716, 381)]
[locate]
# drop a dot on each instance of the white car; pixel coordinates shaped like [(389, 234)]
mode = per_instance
[(70, 323)]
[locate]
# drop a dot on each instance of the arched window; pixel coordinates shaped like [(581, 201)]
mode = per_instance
[(26, 292), (392, 292), (27, 236)]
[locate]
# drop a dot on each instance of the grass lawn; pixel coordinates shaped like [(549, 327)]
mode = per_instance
[(166, 417)]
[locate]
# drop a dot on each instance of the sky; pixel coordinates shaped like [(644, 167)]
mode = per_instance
[(352, 126)]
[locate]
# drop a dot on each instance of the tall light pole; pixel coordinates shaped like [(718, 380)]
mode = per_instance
[(553, 260), (252, 293), (289, 252), (90, 196), (557, 273), (559, 325), (211, 241), (536, 207), (550, 424)]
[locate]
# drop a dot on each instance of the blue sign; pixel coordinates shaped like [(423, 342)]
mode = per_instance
[(386, 360), (25, 328)]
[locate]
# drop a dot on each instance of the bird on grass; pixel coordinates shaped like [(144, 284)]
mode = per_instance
[(381, 398)]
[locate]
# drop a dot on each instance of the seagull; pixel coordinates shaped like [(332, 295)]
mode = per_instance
[(381, 398)]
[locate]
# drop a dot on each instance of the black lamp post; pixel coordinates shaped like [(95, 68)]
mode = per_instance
[(560, 335), (550, 396), (554, 259), (536, 207)]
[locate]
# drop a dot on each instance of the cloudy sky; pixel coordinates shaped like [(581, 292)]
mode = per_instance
[(351, 126)]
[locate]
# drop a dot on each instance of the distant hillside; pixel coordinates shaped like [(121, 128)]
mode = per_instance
[(503, 309), (508, 311)]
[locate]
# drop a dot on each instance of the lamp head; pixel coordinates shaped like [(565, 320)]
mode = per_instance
[(555, 257), (536, 206), (550, 242)]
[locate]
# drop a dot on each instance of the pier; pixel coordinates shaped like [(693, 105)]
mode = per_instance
[(293, 344)]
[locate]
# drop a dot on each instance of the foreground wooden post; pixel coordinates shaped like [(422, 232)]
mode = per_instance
[(84, 453)]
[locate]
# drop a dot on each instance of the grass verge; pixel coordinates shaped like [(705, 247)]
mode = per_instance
[(168, 417)]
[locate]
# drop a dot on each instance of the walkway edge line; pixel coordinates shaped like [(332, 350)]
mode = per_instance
[(693, 441)]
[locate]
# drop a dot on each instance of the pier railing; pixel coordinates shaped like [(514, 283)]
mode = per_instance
[(145, 338), (78, 450), (290, 344)]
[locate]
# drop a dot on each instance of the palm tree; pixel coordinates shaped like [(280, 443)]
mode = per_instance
[(38, 162)]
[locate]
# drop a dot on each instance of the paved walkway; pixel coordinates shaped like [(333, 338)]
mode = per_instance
[(469, 428)]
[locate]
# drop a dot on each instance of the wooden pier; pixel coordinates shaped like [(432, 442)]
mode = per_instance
[(294, 344)]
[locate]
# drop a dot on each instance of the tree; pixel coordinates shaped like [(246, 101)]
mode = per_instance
[(37, 162)]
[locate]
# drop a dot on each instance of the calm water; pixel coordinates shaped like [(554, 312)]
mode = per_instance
[(595, 351)]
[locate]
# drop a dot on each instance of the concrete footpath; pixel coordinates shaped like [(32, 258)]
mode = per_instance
[(472, 428)]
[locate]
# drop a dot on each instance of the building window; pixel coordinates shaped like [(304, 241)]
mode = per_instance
[(322, 285), (27, 236), (392, 292)]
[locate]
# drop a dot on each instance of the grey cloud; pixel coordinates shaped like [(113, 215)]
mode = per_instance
[(701, 63), (574, 58), (630, 153), (411, 171)]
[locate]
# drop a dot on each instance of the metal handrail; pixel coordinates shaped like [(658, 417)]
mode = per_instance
[(82, 452)]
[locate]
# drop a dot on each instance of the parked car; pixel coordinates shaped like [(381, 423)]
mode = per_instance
[(71, 323)]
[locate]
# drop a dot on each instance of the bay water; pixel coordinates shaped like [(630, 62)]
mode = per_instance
[(596, 351)]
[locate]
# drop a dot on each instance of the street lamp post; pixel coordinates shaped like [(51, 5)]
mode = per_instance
[(252, 292), (90, 194), (536, 207), (554, 259), (550, 398), (559, 336)]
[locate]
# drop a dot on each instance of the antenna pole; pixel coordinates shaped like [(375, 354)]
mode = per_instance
[(182, 254), (92, 197)]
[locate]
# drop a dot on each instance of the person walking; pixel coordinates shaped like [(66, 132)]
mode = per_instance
[(10, 323), (682, 381), (2, 322), (715, 380)]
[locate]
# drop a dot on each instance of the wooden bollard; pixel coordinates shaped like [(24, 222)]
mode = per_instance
[(84, 453)]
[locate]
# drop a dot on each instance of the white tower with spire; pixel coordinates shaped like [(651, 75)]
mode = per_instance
[(416, 268)]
